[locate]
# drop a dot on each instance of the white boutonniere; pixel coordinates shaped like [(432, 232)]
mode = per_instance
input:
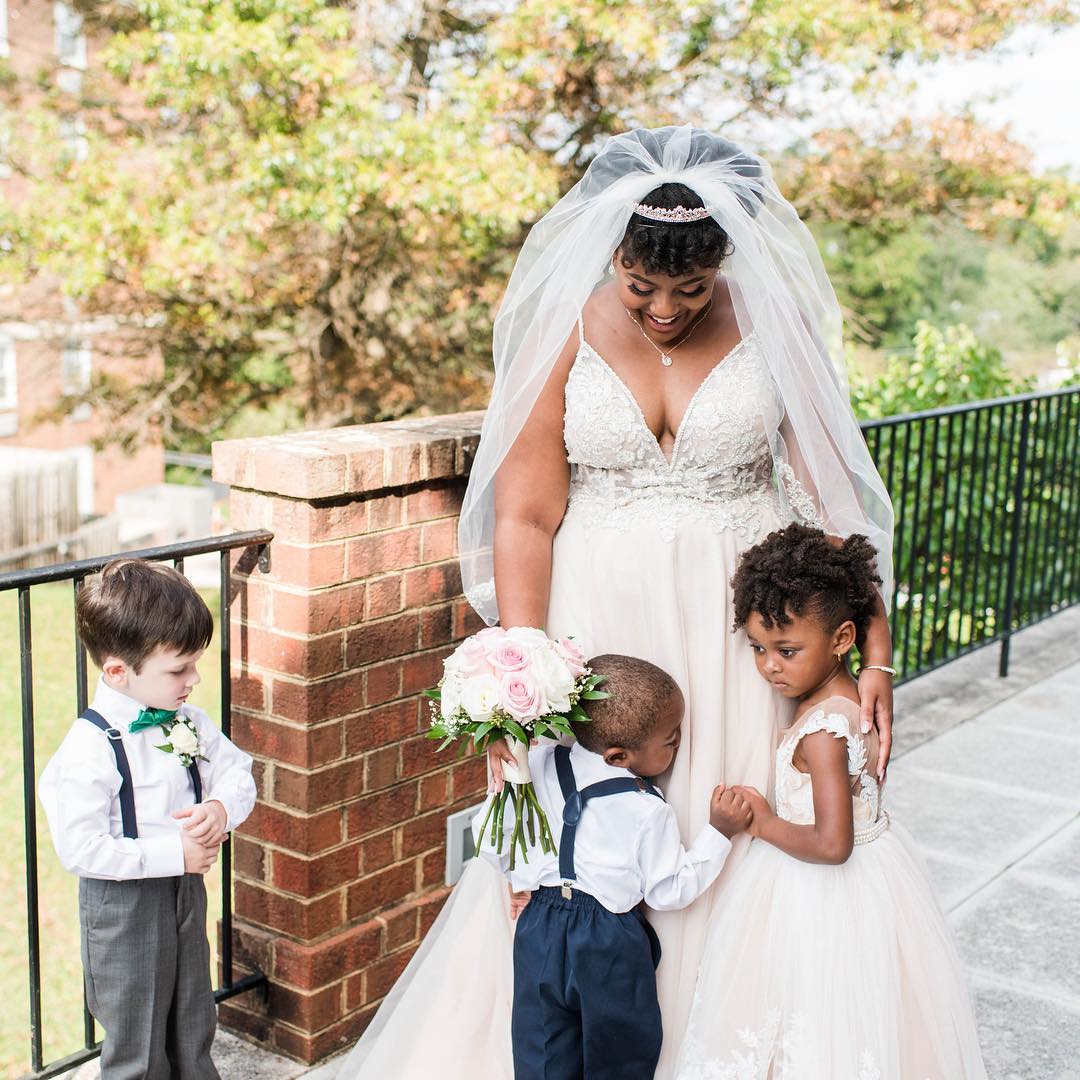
[(182, 741)]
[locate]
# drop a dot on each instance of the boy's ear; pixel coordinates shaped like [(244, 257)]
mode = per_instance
[(114, 669), (616, 756)]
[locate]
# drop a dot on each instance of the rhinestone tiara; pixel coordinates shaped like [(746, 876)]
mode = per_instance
[(677, 214)]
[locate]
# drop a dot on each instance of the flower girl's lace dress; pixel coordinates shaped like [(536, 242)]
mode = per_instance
[(845, 972)]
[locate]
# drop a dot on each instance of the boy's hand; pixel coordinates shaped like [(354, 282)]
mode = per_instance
[(198, 857), (205, 822), (759, 807), (729, 812)]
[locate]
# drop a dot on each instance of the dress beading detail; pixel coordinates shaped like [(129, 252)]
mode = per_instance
[(721, 469)]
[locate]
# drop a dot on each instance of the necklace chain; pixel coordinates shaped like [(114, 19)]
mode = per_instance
[(665, 357)]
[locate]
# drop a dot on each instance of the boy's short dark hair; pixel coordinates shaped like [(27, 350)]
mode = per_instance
[(638, 692), (134, 606)]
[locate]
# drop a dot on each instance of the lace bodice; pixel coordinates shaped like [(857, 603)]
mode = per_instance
[(794, 790), (721, 468)]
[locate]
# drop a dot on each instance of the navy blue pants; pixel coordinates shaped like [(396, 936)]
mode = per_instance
[(585, 1004)]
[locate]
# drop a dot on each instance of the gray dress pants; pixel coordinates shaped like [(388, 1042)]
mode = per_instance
[(146, 963)]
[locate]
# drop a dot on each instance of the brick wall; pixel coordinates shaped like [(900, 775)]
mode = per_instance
[(340, 869)]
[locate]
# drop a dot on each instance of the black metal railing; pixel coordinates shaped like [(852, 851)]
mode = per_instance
[(987, 500), (23, 581)]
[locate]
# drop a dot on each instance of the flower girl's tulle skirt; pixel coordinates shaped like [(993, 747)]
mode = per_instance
[(831, 973)]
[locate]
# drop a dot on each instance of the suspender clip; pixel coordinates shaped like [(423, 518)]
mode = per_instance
[(567, 891)]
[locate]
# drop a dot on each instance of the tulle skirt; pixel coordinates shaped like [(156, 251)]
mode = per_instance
[(667, 600), (831, 973)]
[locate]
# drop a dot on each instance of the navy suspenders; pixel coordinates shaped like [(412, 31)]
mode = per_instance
[(127, 788), (575, 804)]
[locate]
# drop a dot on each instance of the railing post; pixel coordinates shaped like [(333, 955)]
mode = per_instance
[(1014, 537)]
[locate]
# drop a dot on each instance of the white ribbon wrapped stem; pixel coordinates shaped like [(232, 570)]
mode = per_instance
[(519, 772)]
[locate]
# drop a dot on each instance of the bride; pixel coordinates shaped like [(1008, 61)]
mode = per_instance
[(669, 389)]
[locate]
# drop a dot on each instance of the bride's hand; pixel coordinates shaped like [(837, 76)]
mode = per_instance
[(497, 753), (876, 710), (518, 902)]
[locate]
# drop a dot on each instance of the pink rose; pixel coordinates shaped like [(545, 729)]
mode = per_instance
[(508, 656), (572, 655), (521, 697), (470, 658), (488, 634)]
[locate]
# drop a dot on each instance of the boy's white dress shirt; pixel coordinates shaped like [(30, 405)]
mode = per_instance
[(80, 786), (627, 848)]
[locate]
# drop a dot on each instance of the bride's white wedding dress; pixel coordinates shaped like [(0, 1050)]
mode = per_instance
[(642, 564)]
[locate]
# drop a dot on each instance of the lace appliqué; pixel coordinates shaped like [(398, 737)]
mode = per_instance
[(775, 1051), (798, 497), (721, 467), (623, 499)]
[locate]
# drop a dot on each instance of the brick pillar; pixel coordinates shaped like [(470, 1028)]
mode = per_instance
[(340, 869)]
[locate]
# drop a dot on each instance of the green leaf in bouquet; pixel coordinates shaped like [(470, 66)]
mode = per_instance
[(435, 695), (444, 744), (595, 695), (516, 730), (481, 731)]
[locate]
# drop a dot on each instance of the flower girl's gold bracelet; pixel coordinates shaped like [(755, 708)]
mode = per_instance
[(878, 667)]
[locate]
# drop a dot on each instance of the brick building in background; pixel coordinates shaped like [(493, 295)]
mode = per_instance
[(47, 347)]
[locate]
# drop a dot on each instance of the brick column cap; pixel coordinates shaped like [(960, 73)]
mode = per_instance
[(364, 458)]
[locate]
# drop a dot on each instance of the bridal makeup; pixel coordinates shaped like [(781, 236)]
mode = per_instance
[(664, 306)]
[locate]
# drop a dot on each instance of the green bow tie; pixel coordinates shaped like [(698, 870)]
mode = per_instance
[(151, 718)]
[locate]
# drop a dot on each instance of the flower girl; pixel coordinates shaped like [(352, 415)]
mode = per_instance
[(828, 957)]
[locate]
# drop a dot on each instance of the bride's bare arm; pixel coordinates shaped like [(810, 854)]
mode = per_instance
[(531, 488)]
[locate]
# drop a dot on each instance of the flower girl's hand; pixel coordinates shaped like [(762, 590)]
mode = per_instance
[(497, 753), (729, 812), (759, 807)]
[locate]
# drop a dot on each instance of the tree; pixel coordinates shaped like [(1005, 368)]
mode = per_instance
[(321, 200)]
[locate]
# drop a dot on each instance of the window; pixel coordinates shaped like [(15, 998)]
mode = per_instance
[(9, 389), (70, 39), (73, 134), (75, 375)]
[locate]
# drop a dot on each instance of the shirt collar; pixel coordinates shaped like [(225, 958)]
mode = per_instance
[(589, 768), (119, 709)]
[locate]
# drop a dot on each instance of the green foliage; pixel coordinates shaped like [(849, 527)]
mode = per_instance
[(945, 367), (321, 202)]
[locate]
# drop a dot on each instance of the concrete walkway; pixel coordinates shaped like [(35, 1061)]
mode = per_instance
[(986, 775)]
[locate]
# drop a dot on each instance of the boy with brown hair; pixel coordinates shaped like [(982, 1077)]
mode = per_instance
[(139, 797)]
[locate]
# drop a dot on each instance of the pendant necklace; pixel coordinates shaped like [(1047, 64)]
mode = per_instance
[(666, 358)]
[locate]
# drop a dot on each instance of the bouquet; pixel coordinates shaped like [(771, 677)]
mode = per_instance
[(517, 685)]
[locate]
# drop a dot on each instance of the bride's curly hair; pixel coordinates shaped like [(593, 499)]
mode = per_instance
[(673, 249), (798, 571)]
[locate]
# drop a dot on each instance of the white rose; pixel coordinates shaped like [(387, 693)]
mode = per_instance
[(480, 697), (553, 676), (452, 688), (183, 739), (527, 637)]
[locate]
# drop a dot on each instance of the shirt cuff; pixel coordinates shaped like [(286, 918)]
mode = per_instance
[(162, 856), (711, 844)]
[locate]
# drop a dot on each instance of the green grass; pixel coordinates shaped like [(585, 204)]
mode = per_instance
[(54, 710)]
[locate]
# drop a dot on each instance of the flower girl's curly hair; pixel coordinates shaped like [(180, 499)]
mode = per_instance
[(799, 571), (637, 693)]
